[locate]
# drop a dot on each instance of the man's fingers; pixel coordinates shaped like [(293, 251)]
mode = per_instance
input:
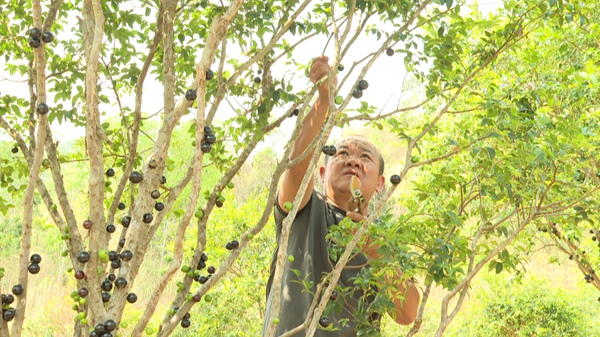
[(356, 217)]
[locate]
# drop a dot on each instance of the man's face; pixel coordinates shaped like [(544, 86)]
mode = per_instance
[(356, 157)]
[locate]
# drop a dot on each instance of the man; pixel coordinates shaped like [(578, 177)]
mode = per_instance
[(355, 156)]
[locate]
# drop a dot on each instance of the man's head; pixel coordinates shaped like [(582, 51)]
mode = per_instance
[(355, 155)]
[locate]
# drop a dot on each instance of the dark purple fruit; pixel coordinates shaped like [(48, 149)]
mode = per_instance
[(363, 85), (35, 258), (235, 244), (148, 217), (329, 150), (82, 292), (334, 295), (201, 265), (203, 279), (113, 255), (93, 333), (8, 299), (42, 108), (163, 180), (196, 298), (296, 112), (153, 163), (111, 228), (125, 221), (112, 277), (100, 328), (120, 283), (116, 264), (207, 129), (159, 206), (211, 269), (191, 95), (9, 314), (219, 203), (257, 79), (14, 149), (210, 138), (35, 33), (357, 93), (34, 268), (389, 52), (105, 297), (205, 147), (209, 75), (110, 325), (340, 67), (126, 255), (395, 179), (122, 242), (155, 194), (83, 257), (106, 285), (121, 206), (48, 37), (34, 43), (135, 177), (185, 323), (324, 321), (131, 298), (17, 290), (110, 172), (204, 257), (79, 274), (87, 224)]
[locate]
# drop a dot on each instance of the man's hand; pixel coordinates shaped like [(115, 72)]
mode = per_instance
[(319, 69)]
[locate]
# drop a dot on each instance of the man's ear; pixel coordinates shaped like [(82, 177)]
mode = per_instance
[(322, 172), (380, 184)]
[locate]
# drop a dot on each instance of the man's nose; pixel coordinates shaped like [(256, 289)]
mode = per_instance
[(353, 161)]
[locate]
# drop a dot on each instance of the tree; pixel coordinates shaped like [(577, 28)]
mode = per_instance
[(497, 143)]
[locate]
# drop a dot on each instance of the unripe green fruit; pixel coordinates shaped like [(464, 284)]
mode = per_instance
[(185, 268), (338, 100), (288, 205), (149, 331), (276, 320), (230, 184), (291, 258), (199, 214)]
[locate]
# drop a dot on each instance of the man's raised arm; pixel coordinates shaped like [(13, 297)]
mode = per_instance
[(311, 125)]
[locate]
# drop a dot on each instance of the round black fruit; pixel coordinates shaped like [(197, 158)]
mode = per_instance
[(112, 277), (105, 297), (111, 228), (329, 150), (17, 290), (106, 285), (83, 257), (363, 84), (9, 314), (34, 43), (122, 242), (8, 299), (395, 179), (196, 298), (116, 264), (205, 147), (87, 224), (110, 172), (82, 292), (201, 265), (334, 295), (35, 33), (135, 177), (324, 321), (121, 283), (48, 37), (203, 279), (148, 217), (163, 180), (257, 79), (131, 298), (191, 95), (42, 108), (100, 328), (79, 274), (210, 138), (228, 246), (296, 112), (340, 67), (209, 75), (125, 221), (14, 149), (121, 206), (126, 255), (211, 269), (357, 93), (389, 52), (219, 203), (207, 129), (159, 206), (34, 268), (204, 257), (113, 255), (185, 323), (110, 325), (93, 333), (235, 244), (35, 258), (155, 194)]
